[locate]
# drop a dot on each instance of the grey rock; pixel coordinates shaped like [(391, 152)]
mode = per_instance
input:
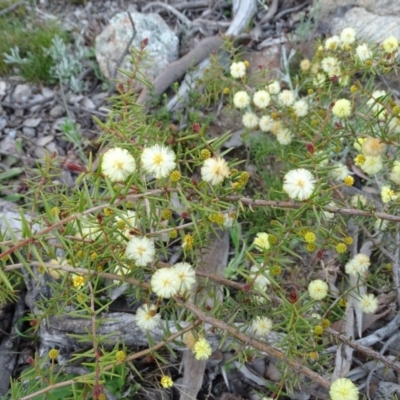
[(32, 122), (378, 7), (369, 26), (29, 132), (3, 88), (57, 111), (87, 103), (22, 93), (3, 122), (161, 50)]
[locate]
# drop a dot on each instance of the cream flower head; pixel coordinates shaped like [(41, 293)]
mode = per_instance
[(241, 99), (284, 136), (273, 87), (186, 275), (388, 194), (368, 304), (286, 98), (147, 317), (363, 52), (117, 164), (342, 108), (259, 275), (339, 172), (202, 349), (343, 389), (372, 165), (261, 241), (358, 264), (158, 160), (374, 102), (141, 250), (250, 120), (165, 282), (214, 170), (348, 36), (265, 123), (238, 69), (299, 184), (318, 289), (332, 42), (261, 99), (300, 108), (261, 326), (390, 44), (395, 172)]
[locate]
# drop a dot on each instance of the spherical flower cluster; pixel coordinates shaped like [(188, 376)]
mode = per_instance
[(372, 165), (390, 44), (348, 180), (372, 146), (265, 123), (165, 282), (318, 289), (78, 281), (331, 66), (305, 64), (358, 264), (261, 326), (53, 354), (261, 99), (368, 304), (387, 194), (363, 52), (374, 102), (286, 98), (259, 277), (310, 237), (380, 225), (395, 172), (332, 42), (202, 349), (186, 276), (158, 160), (348, 36), (141, 250), (343, 389), (394, 125), (249, 120), (273, 87), (214, 170), (262, 241), (238, 69), (120, 356), (299, 184), (284, 136), (241, 99), (117, 164), (166, 382), (339, 172), (342, 108), (147, 317), (300, 108)]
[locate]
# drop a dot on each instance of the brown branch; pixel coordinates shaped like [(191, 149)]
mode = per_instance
[(365, 350), (249, 341)]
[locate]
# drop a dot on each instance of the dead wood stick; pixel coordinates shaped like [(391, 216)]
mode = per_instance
[(177, 69)]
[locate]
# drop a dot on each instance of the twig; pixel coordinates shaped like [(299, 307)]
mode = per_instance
[(366, 350), (290, 10), (171, 9), (26, 105), (192, 4), (271, 12), (396, 264), (11, 8), (249, 341)]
